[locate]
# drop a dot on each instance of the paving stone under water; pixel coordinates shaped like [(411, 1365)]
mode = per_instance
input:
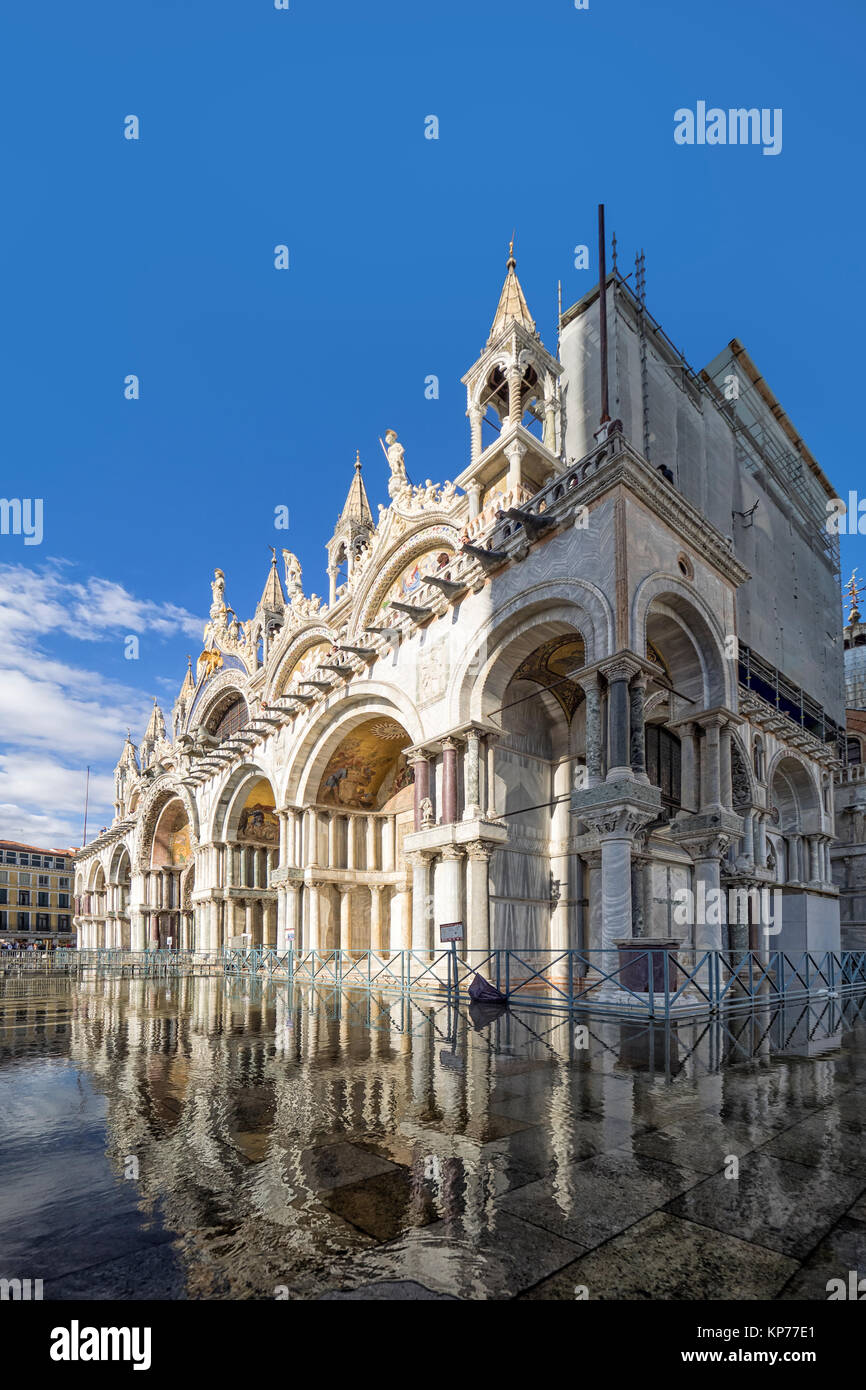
[(198, 1139)]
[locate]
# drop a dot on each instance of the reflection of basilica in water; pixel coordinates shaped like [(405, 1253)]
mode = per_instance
[(318, 1141)]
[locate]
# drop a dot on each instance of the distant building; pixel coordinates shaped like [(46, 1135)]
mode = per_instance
[(35, 895), (849, 854)]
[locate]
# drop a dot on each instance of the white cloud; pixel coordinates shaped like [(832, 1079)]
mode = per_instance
[(56, 717)]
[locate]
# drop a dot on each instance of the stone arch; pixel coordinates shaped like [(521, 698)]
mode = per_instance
[(227, 813), (227, 684), (374, 589), (668, 613), (96, 878), (523, 687), (330, 726), (795, 793), (246, 833), (492, 654), (115, 864), (156, 799), (482, 385), (300, 644)]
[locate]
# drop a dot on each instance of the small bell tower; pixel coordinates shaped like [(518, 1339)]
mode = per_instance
[(351, 535), (518, 379)]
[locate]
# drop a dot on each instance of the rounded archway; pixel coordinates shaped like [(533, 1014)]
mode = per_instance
[(242, 909), (350, 803), (171, 853), (120, 878), (528, 689), (795, 812)]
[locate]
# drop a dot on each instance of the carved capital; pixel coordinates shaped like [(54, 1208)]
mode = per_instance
[(451, 853), (479, 850), (621, 668)]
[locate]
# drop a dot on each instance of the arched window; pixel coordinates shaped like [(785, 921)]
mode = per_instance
[(758, 757), (663, 764), (855, 751), (230, 718)]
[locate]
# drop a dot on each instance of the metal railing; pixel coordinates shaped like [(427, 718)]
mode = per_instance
[(646, 982)]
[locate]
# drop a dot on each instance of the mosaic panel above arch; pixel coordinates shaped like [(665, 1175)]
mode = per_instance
[(258, 822), (396, 575), (411, 579), (303, 667), (368, 767)]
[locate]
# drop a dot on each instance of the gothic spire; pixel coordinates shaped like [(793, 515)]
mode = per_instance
[(273, 600), (357, 507), (127, 757), (156, 725), (188, 687), (512, 301)]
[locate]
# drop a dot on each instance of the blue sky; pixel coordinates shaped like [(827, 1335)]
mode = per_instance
[(305, 127)]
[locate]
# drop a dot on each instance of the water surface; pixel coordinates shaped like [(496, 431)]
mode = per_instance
[(200, 1139)]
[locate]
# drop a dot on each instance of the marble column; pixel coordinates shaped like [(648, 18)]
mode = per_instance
[(312, 855), (292, 917), (594, 762), (689, 790), (616, 918), (711, 788), (449, 894), (421, 765), (515, 394), (400, 933), (269, 925), (421, 925), (725, 775), (490, 741), (637, 734), (389, 844), (472, 776), (313, 917), (476, 415), (372, 857), (618, 674), (709, 902), (345, 891), (333, 847), (351, 828), (477, 900), (376, 920), (760, 822), (282, 908), (748, 836), (449, 781)]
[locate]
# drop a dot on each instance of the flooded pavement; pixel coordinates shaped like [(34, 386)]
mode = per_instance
[(203, 1140)]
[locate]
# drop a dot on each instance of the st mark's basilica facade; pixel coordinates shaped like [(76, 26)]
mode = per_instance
[(599, 665)]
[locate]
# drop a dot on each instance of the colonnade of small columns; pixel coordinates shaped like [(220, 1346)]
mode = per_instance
[(807, 856), (234, 897)]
